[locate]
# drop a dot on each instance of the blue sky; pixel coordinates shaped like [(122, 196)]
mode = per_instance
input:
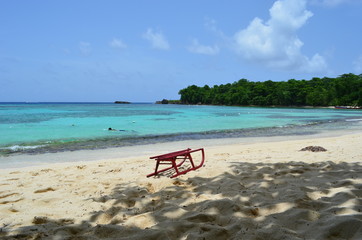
[(143, 51)]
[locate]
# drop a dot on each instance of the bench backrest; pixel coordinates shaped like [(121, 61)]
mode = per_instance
[(172, 154)]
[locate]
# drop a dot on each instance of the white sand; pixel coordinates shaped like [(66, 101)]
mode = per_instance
[(267, 190)]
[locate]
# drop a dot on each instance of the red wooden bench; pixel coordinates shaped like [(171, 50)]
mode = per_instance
[(176, 159)]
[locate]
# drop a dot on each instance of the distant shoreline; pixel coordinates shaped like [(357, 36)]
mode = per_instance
[(176, 102)]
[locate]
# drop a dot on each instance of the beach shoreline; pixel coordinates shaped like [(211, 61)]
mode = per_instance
[(50, 128), (249, 189), (23, 160)]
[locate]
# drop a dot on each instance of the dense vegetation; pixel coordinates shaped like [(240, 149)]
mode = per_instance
[(345, 90)]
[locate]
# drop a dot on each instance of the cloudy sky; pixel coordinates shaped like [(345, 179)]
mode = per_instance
[(143, 51)]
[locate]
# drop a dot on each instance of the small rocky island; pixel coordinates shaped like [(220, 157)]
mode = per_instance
[(121, 102), (165, 101)]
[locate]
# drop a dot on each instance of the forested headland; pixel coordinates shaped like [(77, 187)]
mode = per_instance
[(345, 90)]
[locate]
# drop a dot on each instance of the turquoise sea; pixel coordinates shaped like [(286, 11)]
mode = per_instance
[(53, 127)]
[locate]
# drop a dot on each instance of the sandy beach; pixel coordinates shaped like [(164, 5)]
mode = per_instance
[(255, 190)]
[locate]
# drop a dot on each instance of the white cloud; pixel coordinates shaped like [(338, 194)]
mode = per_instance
[(117, 43), (85, 48), (196, 47), (358, 65), (157, 39), (275, 42), (211, 25)]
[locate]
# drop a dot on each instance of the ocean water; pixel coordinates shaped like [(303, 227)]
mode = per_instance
[(54, 127)]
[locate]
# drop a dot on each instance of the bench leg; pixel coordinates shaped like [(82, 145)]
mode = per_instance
[(170, 161), (192, 162), (188, 156), (155, 173), (175, 167)]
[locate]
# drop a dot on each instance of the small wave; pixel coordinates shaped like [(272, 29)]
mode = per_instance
[(354, 120), (121, 140), (17, 148)]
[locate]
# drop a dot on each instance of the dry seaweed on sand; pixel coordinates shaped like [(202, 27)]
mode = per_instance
[(314, 149)]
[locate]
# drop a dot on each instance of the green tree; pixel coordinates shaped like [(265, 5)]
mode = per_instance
[(343, 90)]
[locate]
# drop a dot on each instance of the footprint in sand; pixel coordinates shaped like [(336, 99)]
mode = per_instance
[(44, 190), (178, 183), (222, 154), (13, 210), (114, 170), (8, 195), (10, 198), (12, 179), (150, 188)]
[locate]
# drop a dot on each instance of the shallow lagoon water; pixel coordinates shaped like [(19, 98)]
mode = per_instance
[(54, 127)]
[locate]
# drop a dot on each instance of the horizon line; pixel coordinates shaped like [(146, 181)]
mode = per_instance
[(34, 102)]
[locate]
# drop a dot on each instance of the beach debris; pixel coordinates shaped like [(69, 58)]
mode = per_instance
[(314, 149), (40, 220), (43, 220)]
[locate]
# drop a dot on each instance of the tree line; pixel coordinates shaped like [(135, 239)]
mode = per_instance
[(345, 90)]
